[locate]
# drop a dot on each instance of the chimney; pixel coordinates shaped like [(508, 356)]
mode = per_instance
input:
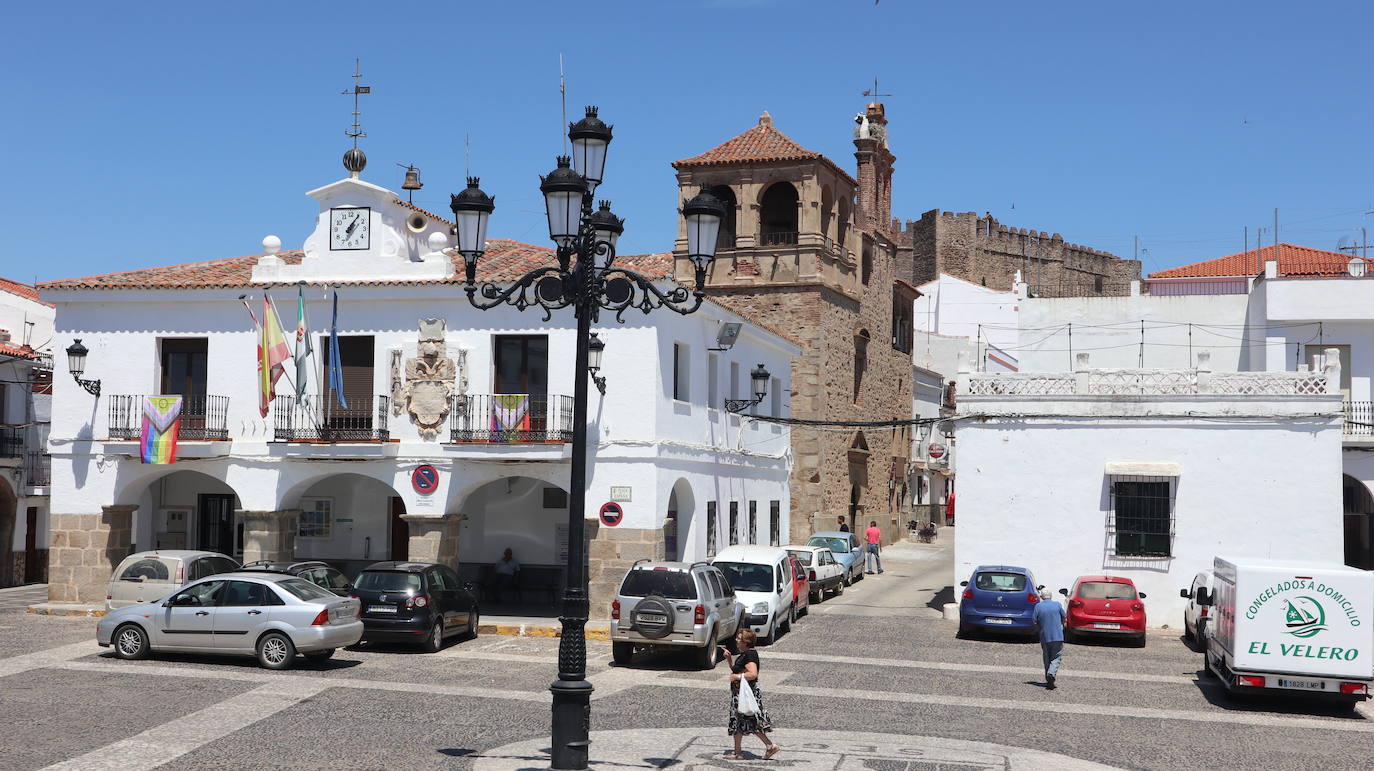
[(874, 167)]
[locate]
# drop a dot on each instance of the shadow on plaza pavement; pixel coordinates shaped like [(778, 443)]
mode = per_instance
[(244, 662), (1286, 703)]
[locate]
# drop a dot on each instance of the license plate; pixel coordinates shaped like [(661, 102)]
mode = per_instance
[(1107, 626), (656, 618), (381, 608), (1310, 685), (998, 620)]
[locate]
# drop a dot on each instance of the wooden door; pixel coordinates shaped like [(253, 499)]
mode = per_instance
[(400, 531), (184, 374), (32, 571)]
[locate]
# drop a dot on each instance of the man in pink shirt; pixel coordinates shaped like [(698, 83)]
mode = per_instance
[(871, 555)]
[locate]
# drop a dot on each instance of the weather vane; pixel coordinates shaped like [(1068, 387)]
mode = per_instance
[(357, 91), (873, 93)]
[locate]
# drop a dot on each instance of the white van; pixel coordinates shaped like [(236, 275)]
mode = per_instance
[(762, 579), (1289, 625)]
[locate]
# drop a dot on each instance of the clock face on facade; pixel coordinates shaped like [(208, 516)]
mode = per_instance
[(350, 228)]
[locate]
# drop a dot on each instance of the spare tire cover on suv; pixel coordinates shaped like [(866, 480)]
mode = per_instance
[(653, 628)]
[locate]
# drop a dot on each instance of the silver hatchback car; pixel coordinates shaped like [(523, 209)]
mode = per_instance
[(267, 615)]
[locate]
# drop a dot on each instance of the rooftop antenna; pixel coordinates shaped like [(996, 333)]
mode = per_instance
[(874, 93), (467, 153), (355, 160), (563, 94)]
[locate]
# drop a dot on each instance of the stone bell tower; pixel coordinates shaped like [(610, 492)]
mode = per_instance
[(804, 249)]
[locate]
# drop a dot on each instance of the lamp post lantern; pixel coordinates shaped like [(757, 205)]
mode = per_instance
[(587, 279), (758, 378)]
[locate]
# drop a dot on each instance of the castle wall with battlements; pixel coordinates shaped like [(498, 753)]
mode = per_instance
[(984, 251)]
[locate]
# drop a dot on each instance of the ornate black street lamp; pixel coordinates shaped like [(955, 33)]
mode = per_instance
[(759, 378), (586, 278), (76, 364)]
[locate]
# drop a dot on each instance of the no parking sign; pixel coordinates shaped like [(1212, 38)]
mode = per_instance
[(611, 514), (425, 479)]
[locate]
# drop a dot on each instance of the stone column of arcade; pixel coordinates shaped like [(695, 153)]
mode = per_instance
[(269, 535), (86, 548), (433, 538)]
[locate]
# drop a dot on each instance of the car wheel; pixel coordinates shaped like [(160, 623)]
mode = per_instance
[(817, 597), (839, 588), (276, 651), (791, 618), (706, 657), (435, 639), (846, 579), (1140, 641), (622, 653), (131, 642), (652, 617), (964, 633), (324, 655), (1069, 636), (1188, 633), (475, 620)]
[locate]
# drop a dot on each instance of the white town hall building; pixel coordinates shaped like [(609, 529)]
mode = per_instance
[(314, 479)]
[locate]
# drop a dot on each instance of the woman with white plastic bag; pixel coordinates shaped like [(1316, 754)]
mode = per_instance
[(747, 715)]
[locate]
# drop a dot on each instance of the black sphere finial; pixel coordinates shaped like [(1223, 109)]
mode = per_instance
[(355, 160)]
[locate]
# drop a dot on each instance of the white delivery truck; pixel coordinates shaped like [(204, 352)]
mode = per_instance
[(1291, 625)]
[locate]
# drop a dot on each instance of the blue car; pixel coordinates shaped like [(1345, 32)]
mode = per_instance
[(1000, 598), (846, 550)]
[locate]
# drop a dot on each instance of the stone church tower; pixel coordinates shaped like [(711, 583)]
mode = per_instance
[(807, 248)]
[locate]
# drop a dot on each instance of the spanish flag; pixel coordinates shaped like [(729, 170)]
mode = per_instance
[(272, 352)]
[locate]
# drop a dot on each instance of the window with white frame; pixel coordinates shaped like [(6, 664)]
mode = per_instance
[(681, 372), (1141, 520), (317, 518), (713, 381)]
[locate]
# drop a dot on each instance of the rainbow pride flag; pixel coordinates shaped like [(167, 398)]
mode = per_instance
[(509, 413), (161, 422)]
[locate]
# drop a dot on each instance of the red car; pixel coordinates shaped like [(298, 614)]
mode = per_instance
[(801, 587), (1105, 605)]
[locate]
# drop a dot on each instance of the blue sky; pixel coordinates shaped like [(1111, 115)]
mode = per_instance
[(141, 134)]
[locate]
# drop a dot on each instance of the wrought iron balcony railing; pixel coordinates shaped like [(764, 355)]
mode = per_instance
[(511, 418), (202, 417), (322, 419), (37, 469), (777, 239), (1359, 420), (11, 441)]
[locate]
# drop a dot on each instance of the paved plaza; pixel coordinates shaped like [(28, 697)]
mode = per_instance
[(874, 679)]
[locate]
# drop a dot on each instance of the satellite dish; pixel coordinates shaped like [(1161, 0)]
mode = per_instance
[(1357, 267)]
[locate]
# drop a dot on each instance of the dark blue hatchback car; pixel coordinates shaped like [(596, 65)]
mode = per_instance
[(999, 598)]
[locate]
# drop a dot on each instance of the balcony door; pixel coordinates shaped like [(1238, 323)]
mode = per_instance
[(522, 367), (356, 362), (184, 367)]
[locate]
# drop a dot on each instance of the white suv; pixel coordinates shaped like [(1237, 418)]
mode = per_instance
[(762, 579), (673, 605)]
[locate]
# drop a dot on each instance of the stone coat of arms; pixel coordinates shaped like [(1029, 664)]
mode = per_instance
[(430, 380)]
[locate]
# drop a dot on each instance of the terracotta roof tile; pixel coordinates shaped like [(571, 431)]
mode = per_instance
[(23, 290), (1293, 260), (760, 143), (18, 351), (505, 260), (426, 212)]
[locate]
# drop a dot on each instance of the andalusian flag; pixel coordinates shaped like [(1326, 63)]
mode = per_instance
[(336, 383), (161, 423), (272, 351), (303, 347)]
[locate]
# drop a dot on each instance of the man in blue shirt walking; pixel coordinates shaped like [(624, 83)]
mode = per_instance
[(1049, 618)]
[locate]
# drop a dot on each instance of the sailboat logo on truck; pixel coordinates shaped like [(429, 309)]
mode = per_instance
[(1304, 617)]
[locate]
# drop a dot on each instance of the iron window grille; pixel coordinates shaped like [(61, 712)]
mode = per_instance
[(1141, 517), (753, 522), (775, 523), (710, 529), (734, 522)]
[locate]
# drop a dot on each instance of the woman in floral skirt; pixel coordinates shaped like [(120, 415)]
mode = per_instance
[(745, 668)]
